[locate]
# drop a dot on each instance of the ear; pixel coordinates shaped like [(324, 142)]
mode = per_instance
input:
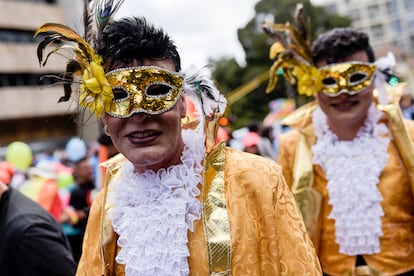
[(317, 96), (103, 118), (182, 107)]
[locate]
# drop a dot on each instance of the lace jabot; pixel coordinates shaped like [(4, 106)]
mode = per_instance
[(353, 169), (152, 212)]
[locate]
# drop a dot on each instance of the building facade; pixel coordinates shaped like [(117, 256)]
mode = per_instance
[(390, 26), (29, 110), (386, 21)]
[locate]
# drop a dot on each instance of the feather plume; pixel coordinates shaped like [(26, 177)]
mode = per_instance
[(105, 10), (291, 53), (84, 66), (211, 100), (63, 38), (71, 68), (290, 38), (88, 22), (301, 24)]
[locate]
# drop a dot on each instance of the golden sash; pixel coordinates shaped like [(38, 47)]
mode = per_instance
[(215, 216)]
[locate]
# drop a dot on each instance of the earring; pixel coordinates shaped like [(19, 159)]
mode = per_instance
[(185, 120), (106, 130)]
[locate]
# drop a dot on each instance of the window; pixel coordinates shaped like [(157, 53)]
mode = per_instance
[(16, 36), (410, 21), (396, 26), (26, 80), (412, 41), (373, 11), (354, 15), (392, 7), (332, 8), (408, 5), (377, 30), (399, 43), (39, 1)]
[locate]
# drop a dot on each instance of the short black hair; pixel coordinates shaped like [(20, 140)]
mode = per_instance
[(134, 38), (335, 45)]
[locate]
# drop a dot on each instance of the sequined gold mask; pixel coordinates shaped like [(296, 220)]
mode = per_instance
[(350, 78), (147, 89)]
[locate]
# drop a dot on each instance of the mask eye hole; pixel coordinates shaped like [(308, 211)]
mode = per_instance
[(158, 89), (329, 81), (119, 94), (357, 77)]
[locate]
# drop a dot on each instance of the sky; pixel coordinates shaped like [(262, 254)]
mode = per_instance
[(200, 29)]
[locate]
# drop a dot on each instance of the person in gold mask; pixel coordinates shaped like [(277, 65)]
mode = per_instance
[(174, 202), (349, 156)]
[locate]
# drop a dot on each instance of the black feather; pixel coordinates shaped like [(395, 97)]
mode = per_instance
[(72, 67)]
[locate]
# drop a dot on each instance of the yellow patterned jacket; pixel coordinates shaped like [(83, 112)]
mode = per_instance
[(250, 223), (309, 186)]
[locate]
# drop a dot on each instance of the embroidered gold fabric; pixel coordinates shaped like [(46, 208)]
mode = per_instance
[(403, 141), (395, 186)]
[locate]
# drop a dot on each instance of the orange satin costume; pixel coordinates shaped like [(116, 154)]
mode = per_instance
[(395, 185), (265, 231)]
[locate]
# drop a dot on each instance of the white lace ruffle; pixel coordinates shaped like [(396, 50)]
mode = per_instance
[(152, 212), (353, 169)]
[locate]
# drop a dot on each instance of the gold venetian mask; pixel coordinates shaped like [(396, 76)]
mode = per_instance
[(148, 89), (349, 77)]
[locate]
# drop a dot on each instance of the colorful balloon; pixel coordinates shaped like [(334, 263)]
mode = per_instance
[(19, 155), (64, 180), (76, 149)]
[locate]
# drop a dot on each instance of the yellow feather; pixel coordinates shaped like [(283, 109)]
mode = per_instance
[(64, 33)]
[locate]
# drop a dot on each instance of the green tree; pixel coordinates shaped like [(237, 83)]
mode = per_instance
[(255, 43)]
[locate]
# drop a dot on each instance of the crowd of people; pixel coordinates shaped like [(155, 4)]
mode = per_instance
[(62, 185), (332, 195)]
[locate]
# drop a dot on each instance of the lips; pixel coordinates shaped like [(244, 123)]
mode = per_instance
[(142, 137), (345, 105)]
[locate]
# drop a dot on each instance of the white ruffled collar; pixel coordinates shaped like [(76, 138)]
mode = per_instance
[(152, 212), (353, 169)]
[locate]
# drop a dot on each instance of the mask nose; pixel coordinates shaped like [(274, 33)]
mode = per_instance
[(138, 98), (341, 93)]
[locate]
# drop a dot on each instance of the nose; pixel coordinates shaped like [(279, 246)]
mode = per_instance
[(139, 117)]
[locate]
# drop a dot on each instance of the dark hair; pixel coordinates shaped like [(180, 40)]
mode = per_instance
[(81, 160), (267, 132), (253, 126), (337, 44), (134, 38)]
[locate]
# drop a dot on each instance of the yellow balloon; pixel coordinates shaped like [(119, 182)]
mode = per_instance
[(65, 179), (19, 155)]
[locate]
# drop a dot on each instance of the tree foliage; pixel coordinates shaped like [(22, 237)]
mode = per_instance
[(230, 75)]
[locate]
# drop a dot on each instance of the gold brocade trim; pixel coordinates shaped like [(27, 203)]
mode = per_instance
[(363, 270), (302, 116), (308, 199), (210, 129), (108, 235), (401, 137), (215, 217)]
